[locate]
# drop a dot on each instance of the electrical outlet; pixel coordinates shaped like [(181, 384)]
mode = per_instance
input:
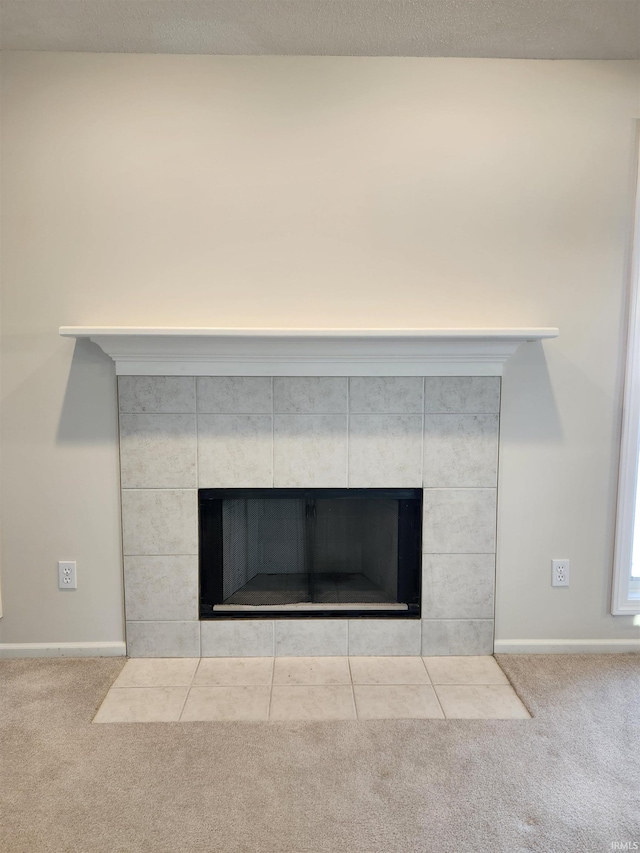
[(559, 572), (67, 575)]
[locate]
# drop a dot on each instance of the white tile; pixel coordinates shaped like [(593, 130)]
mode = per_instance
[(249, 395), (161, 588), (308, 638), (226, 703), (158, 451), (157, 672), (163, 639), (326, 702), (380, 637), (481, 702), (157, 394), (472, 394), (459, 521), (465, 670), (396, 702), (235, 451), (390, 394), (312, 670), (460, 451), (142, 705), (309, 395), (159, 521), (237, 638), (385, 451), (310, 451), (458, 586), (250, 672), (457, 637), (388, 670)]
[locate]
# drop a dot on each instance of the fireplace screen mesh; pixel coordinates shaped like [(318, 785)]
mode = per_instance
[(321, 549)]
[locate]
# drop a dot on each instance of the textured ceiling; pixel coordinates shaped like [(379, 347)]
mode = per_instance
[(528, 29)]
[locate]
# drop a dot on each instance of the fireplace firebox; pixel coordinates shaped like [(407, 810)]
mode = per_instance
[(285, 553)]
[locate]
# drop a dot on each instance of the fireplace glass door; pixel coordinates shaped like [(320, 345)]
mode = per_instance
[(291, 552)]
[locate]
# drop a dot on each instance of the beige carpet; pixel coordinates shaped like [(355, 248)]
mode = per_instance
[(567, 780)]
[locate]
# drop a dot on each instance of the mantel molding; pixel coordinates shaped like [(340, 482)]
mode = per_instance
[(149, 351)]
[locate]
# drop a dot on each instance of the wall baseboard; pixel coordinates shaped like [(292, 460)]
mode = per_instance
[(62, 650), (565, 647)]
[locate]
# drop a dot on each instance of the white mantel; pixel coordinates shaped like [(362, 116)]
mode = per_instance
[(161, 351)]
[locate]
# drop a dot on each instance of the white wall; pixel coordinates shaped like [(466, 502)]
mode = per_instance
[(185, 190)]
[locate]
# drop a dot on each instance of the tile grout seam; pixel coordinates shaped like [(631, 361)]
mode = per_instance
[(186, 698)]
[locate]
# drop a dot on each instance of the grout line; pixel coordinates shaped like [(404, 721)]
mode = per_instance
[(353, 692), (426, 669), (433, 687), (392, 684), (273, 672), (189, 689)]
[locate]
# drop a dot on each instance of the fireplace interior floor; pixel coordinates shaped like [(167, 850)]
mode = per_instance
[(294, 588)]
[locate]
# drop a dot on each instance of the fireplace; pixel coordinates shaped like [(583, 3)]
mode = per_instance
[(191, 445), (278, 553), (231, 409)]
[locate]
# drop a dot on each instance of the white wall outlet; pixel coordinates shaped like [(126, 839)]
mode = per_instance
[(559, 572), (67, 575)]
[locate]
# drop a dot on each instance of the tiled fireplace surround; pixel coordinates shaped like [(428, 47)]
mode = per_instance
[(181, 433)]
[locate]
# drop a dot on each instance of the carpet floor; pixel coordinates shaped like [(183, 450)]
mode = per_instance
[(567, 780)]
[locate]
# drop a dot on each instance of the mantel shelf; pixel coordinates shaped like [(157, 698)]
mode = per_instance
[(161, 351)]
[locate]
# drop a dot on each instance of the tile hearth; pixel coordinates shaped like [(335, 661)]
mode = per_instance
[(309, 688)]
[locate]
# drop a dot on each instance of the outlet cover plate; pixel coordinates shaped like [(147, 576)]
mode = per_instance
[(67, 578), (559, 572)]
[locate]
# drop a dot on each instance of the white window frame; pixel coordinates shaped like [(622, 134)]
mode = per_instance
[(626, 590)]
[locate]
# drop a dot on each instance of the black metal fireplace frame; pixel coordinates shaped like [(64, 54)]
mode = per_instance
[(409, 551)]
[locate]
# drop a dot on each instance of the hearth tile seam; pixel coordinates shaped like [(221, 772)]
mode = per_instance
[(189, 689), (433, 686), (353, 696), (273, 672)]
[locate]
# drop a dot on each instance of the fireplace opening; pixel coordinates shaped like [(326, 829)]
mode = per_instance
[(310, 552)]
